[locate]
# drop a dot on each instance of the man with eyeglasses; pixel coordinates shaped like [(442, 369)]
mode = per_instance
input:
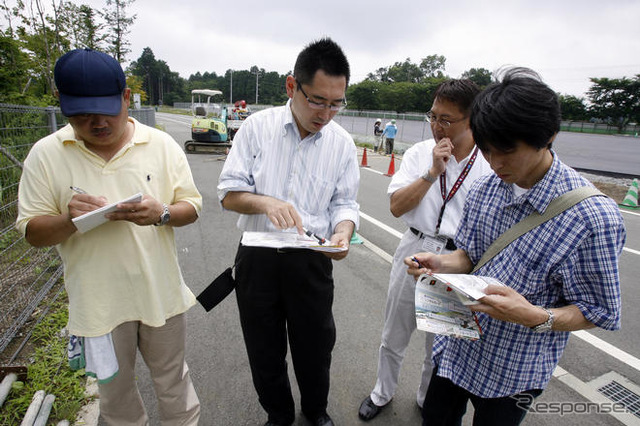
[(428, 193), (292, 167)]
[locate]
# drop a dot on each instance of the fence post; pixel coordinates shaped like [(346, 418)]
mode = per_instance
[(51, 114)]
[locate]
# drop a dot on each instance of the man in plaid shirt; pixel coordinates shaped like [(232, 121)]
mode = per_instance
[(560, 277)]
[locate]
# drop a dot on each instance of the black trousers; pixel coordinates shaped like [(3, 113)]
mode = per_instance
[(446, 404), (389, 145), (287, 294)]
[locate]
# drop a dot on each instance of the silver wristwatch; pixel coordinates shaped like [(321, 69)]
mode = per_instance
[(165, 216), (545, 326), (427, 176)]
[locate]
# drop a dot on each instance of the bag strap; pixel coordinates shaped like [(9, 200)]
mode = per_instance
[(555, 207)]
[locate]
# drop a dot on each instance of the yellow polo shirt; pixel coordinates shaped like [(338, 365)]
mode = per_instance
[(118, 271)]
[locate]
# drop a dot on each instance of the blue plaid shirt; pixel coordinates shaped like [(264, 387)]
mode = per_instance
[(571, 259)]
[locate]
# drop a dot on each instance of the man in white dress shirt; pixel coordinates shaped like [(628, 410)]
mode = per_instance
[(428, 193), (292, 167)]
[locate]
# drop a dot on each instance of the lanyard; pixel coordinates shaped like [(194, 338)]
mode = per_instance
[(454, 189)]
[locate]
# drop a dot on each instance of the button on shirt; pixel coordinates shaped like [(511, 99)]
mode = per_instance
[(318, 175), (571, 259), (415, 163)]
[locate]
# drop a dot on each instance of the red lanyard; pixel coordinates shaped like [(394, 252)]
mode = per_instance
[(456, 186)]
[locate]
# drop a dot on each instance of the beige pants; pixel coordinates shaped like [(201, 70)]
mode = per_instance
[(162, 349)]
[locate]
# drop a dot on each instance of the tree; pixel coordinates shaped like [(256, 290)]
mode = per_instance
[(616, 100), (365, 95), (405, 72), (135, 83), (433, 66), (572, 108), (84, 31), (118, 23), (480, 76)]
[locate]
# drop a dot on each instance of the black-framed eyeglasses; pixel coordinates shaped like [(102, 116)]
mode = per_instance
[(432, 118), (319, 105)]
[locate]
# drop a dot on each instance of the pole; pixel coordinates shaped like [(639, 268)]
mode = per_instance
[(231, 89), (257, 71)]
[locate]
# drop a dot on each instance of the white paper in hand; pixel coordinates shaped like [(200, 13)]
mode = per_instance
[(95, 218)]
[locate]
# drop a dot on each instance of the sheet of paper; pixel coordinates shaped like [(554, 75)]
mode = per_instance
[(471, 286), (286, 240), (90, 220), (440, 311)]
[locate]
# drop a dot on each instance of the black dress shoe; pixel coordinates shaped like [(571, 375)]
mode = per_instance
[(321, 420), (368, 409)]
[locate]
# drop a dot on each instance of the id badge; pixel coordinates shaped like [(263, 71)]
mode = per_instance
[(434, 244)]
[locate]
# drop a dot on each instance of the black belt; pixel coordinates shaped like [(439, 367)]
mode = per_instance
[(449, 246)]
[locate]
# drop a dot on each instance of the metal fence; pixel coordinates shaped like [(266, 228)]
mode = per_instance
[(631, 129), (28, 275)]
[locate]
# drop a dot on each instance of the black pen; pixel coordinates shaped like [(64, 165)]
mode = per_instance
[(78, 190), (312, 235), (415, 259)]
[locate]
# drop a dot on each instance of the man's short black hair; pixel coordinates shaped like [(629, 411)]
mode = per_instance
[(460, 92), (520, 108), (325, 55)]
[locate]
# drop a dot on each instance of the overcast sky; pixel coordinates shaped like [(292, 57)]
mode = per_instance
[(566, 41)]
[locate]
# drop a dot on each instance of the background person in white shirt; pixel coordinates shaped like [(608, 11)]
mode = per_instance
[(292, 167)]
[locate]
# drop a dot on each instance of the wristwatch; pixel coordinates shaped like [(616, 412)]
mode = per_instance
[(165, 216), (545, 326), (427, 176)]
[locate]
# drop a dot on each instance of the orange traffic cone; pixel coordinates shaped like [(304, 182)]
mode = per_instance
[(392, 166), (364, 159)]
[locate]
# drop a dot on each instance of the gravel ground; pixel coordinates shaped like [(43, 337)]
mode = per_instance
[(615, 188)]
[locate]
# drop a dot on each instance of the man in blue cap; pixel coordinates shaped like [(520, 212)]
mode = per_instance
[(125, 288)]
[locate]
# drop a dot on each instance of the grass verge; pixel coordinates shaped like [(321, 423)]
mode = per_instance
[(50, 372)]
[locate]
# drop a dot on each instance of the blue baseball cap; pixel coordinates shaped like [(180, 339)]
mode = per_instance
[(89, 82)]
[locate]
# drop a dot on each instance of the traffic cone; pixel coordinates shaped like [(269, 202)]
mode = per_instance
[(355, 239), (364, 159), (392, 166), (631, 199)]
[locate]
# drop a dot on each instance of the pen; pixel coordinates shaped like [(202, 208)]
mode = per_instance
[(311, 234), (78, 190), (415, 259)]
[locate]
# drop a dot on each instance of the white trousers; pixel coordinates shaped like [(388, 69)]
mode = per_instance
[(399, 325)]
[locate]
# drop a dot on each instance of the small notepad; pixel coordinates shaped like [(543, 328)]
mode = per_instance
[(95, 218)]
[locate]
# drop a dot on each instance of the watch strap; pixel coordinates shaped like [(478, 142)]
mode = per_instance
[(545, 326), (427, 176)]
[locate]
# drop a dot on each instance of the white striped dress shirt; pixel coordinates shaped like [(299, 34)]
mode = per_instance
[(318, 175)]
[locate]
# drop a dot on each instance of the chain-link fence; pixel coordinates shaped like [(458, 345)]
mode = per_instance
[(28, 275)]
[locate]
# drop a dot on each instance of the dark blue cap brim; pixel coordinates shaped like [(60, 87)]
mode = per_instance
[(103, 105)]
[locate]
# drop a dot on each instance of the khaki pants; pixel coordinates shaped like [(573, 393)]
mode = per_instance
[(162, 349)]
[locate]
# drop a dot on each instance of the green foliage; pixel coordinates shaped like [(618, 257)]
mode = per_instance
[(429, 68), (573, 108), (49, 372), (118, 24), (398, 97), (480, 76), (616, 100)]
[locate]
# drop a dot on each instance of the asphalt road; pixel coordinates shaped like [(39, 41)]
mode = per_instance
[(217, 357)]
